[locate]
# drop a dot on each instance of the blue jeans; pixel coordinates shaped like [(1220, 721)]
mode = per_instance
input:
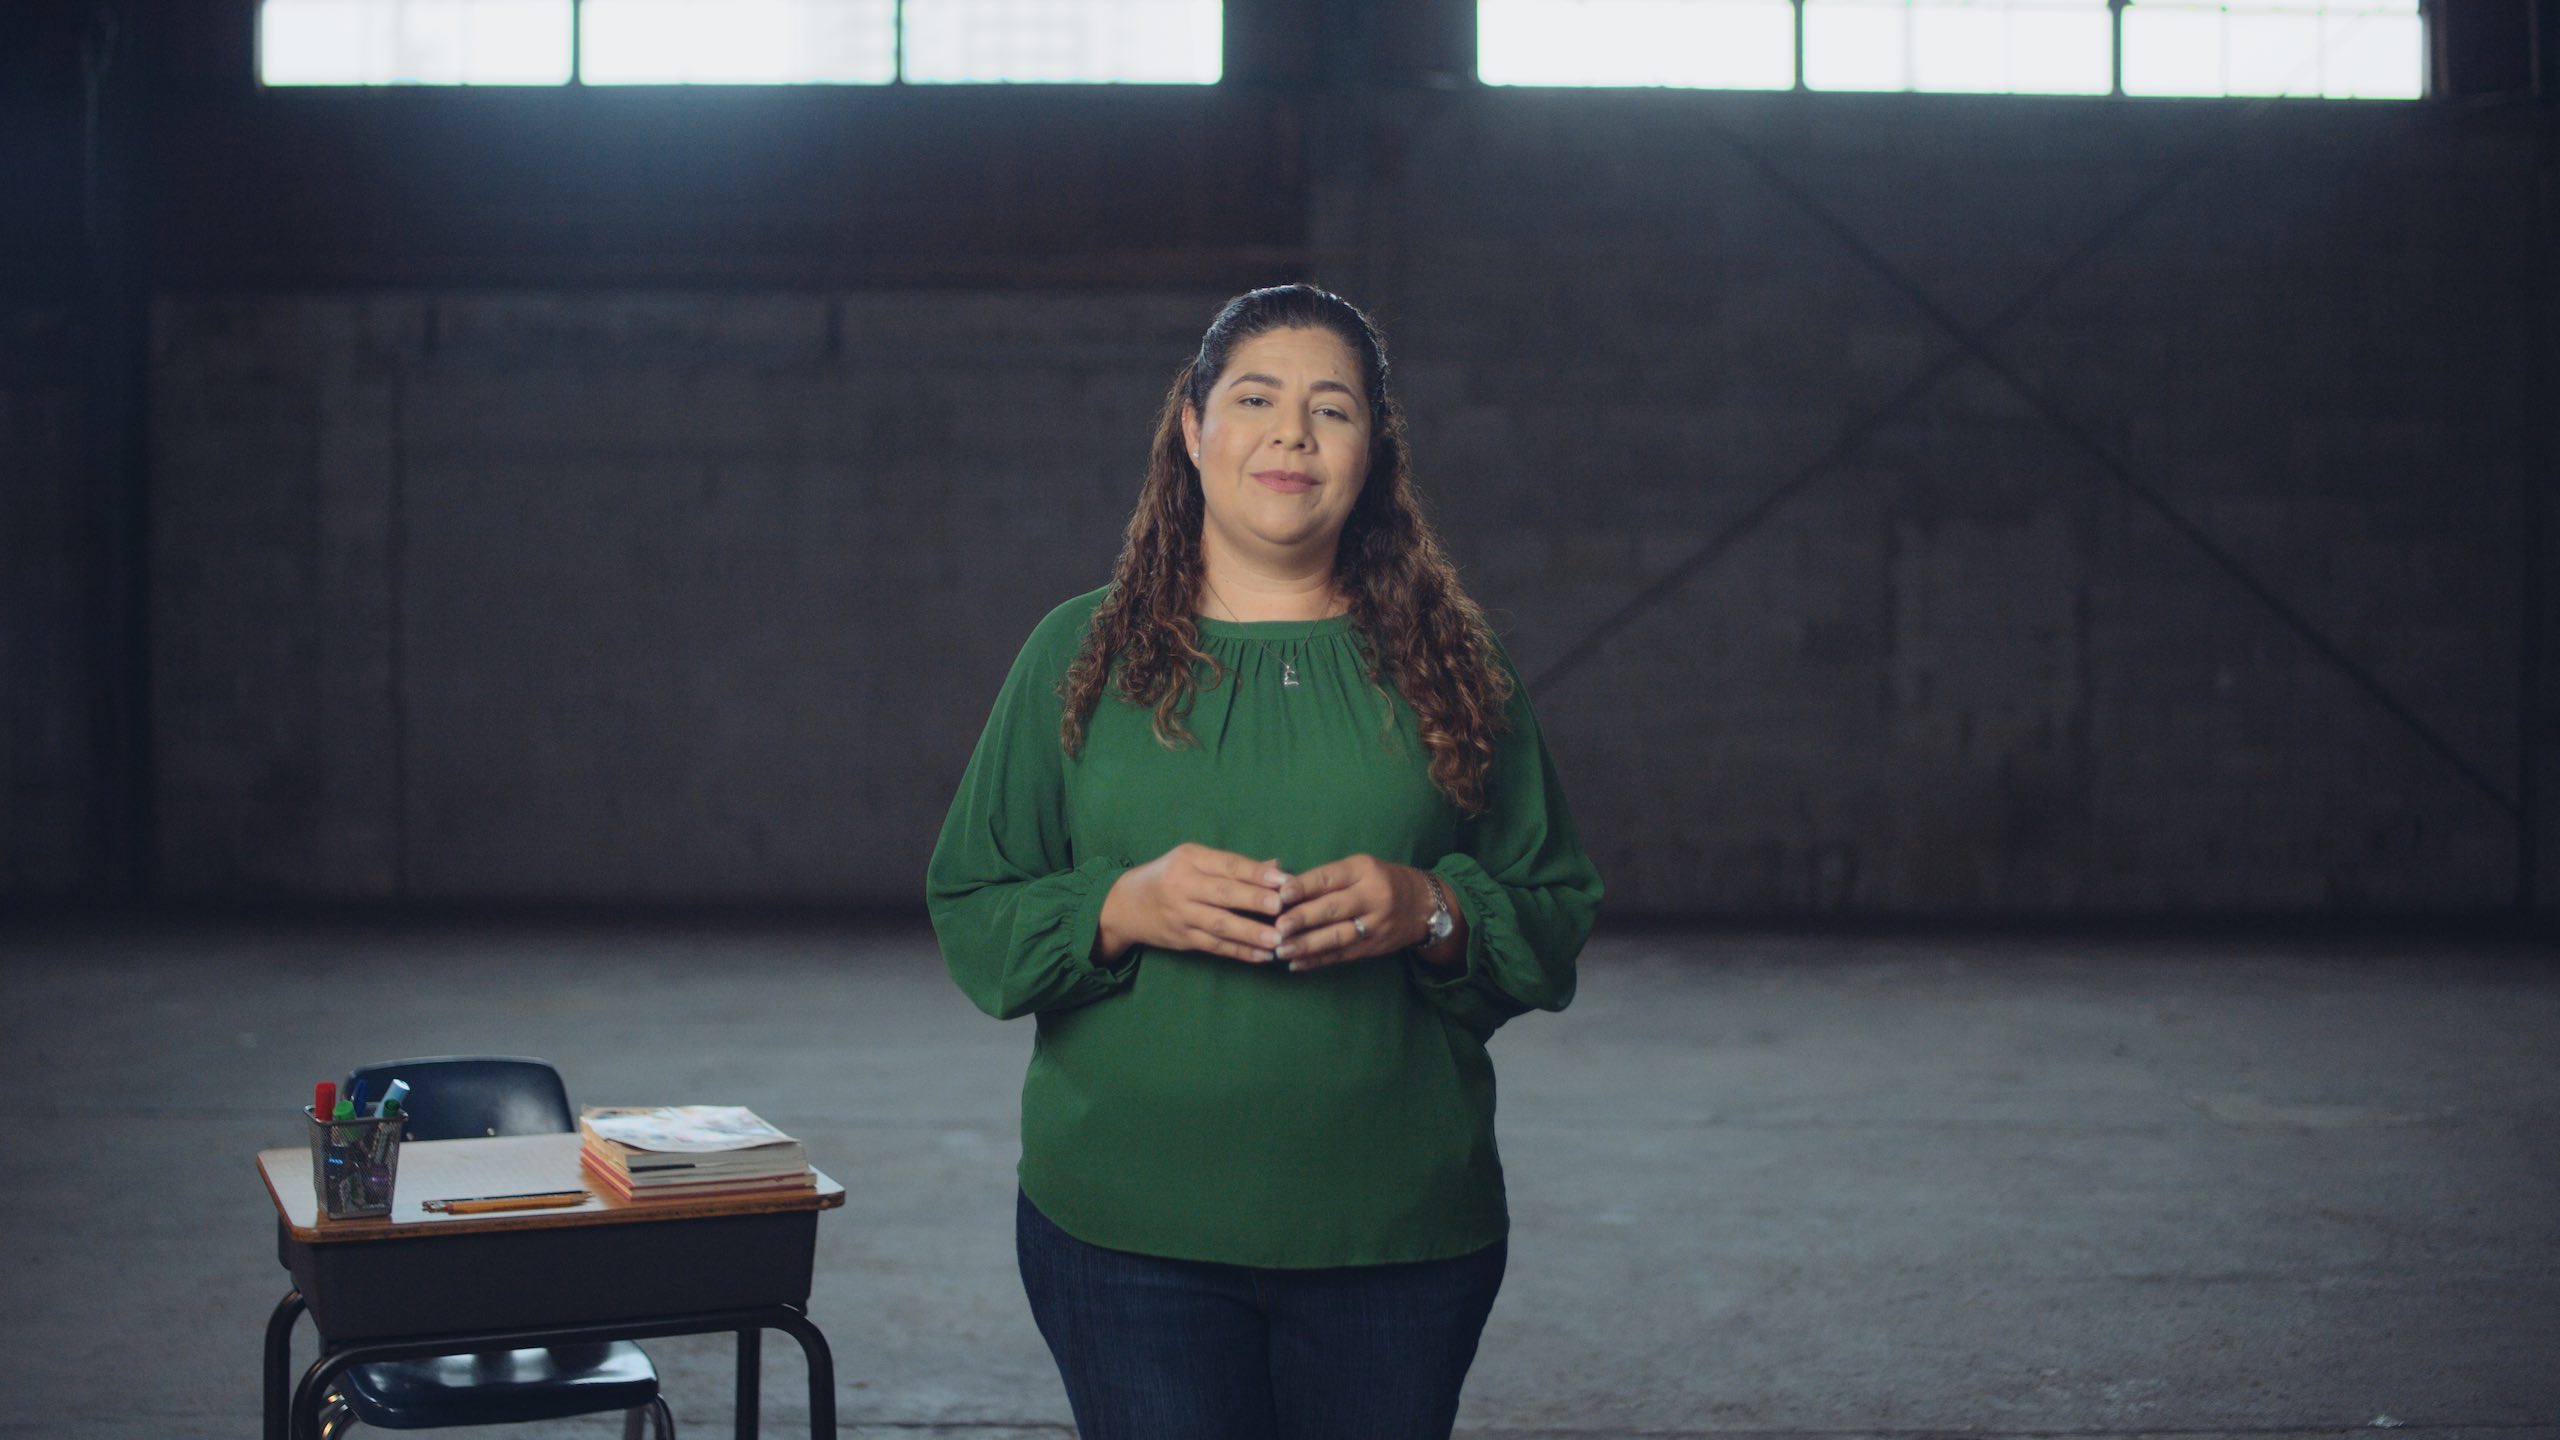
[(1158, 1349)]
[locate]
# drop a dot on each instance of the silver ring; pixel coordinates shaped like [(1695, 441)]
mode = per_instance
[(1360, 927)]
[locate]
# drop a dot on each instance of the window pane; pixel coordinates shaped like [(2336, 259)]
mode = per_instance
[(1148, 42), (2337, 48), (2372, 56), (1959, 47), (2051, 47), (413, 42), (2062, 50), (1719, 44), (738, 42), (2172, 50), (1857, 45), (2273, 53)]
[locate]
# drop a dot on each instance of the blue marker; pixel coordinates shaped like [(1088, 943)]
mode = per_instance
[(355, 1093), (395, 1096)]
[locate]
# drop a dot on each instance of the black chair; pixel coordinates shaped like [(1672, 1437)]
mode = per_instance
[(454, 1097)]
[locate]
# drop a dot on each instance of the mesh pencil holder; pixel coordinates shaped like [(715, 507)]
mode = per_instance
[(354, 1164)]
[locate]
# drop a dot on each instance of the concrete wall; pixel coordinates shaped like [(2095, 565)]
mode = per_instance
[(2147, 537), (2024, 357), (628, 597), (50, 797), (74, 787)]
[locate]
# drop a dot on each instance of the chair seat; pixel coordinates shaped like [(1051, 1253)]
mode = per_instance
[(501, 1387)]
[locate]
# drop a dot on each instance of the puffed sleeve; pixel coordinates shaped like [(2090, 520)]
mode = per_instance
[(1014, 907), (1529, 892)]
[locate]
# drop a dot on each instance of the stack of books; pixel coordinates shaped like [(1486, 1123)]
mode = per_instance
[(683, 1152)]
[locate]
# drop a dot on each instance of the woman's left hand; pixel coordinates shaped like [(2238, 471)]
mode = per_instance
[(1324, 912)]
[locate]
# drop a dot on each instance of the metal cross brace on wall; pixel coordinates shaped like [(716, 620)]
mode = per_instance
[(1972, 345)]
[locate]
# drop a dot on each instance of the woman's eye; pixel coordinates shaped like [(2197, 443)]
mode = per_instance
[(1251, 400)]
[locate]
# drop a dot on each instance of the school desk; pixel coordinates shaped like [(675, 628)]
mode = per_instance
[(415, 1283)]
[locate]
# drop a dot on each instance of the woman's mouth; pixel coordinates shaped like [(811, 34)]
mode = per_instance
[(1287, 482)]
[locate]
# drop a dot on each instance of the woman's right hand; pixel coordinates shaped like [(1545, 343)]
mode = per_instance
[(1193, 897)]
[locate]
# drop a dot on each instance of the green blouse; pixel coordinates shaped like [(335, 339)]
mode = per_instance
[(1194, 1106)]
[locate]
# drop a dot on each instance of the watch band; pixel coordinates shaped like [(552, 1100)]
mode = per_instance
[(1437, 928)]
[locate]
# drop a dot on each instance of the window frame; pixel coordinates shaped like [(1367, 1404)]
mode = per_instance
[(577, 78), (2425, 10)]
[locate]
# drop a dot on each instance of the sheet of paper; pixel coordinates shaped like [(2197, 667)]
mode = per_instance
[(688, 1129)]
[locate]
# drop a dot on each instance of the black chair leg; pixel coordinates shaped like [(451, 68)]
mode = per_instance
[(662, 1421)]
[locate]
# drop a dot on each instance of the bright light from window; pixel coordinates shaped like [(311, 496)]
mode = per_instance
[(1857, 45), (738, 42), (2342, 49), (413, 42), (1139, 42), (1717, 44), (2047, 47)]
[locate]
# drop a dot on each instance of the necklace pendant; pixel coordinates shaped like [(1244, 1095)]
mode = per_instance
[(1288, 673)]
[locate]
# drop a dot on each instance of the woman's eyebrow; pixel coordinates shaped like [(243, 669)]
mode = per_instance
[(1256, 377)]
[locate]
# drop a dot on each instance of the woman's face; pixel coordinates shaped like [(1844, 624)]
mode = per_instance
[(1282, 444)]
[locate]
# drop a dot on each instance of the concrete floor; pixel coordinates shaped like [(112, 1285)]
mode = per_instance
[(1761, 1185)]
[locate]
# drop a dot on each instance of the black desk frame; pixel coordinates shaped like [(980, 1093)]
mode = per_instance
[(299, 1418)]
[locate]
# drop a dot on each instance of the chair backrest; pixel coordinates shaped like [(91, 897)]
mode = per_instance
[(458, 1097)]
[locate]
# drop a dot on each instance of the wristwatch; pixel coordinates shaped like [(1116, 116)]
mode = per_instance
[(1441, 922)]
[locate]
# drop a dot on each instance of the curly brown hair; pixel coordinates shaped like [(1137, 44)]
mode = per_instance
[(1418, 628)]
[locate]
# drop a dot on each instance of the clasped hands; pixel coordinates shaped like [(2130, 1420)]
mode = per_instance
[(1196, 897)]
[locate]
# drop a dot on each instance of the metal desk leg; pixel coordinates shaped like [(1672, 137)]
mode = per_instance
[(750, 1381), (316, 1383), (279, 1362), (822, 1375)]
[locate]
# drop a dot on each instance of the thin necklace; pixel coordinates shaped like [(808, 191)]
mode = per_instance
[(1288, 671), (1239, 619)]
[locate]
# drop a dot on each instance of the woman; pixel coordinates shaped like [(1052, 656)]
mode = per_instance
[(1264, 835)]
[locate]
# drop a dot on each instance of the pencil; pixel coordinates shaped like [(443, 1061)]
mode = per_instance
[(544, 1200)]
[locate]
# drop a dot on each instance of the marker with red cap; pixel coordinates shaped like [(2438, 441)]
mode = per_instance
[(325, 1106)]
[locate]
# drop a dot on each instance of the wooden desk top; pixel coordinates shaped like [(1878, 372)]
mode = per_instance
[(503, 1165)]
